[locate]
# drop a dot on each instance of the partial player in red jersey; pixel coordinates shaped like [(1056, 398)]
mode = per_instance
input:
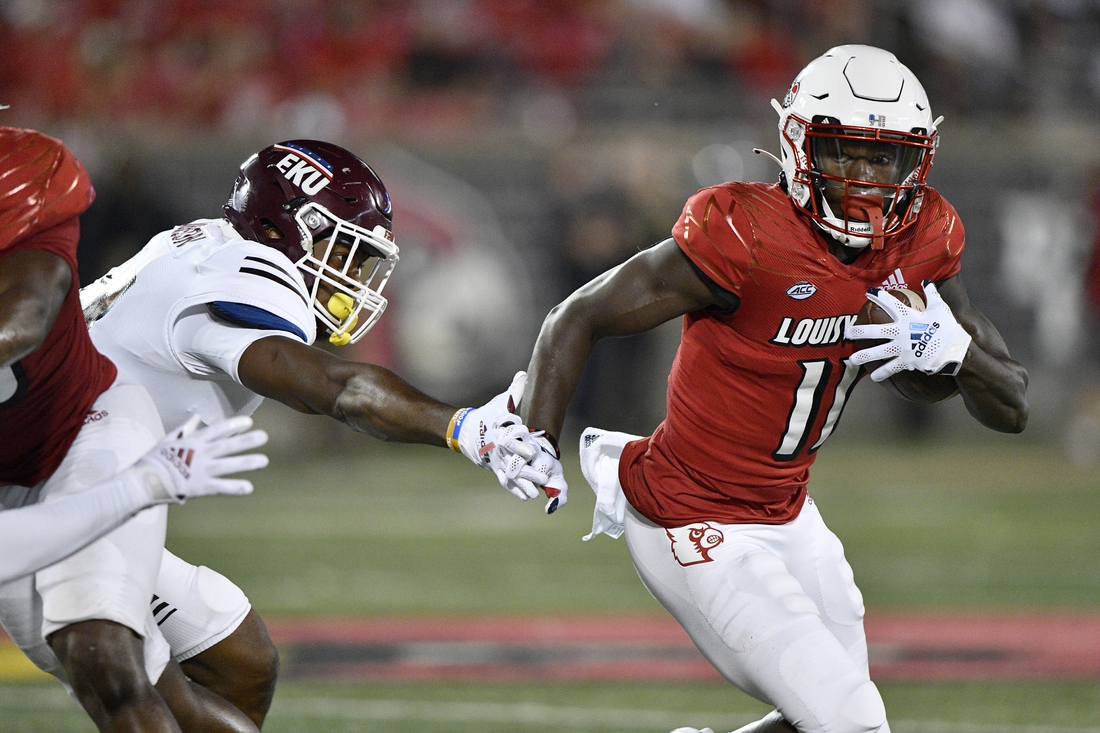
[(71, 428), (768, 279)]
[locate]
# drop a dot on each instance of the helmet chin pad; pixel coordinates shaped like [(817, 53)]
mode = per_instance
[(865, 207)]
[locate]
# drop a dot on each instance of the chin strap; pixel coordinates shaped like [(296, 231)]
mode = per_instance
[(868, 208)]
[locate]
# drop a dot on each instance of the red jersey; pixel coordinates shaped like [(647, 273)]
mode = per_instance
[(753, 395), (45, 396)]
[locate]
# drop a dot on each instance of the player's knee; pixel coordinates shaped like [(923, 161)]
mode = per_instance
[(262, 661), (256, 655), (246, 661)]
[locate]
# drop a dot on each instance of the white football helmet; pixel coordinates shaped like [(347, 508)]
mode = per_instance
[(857, 97)]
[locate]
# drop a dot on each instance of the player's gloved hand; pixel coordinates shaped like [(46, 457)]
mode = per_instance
[(494, 437), (549, 461), (190, 461), (929, 341)]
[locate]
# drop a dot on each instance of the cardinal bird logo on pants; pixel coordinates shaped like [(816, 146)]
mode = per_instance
[(692, 543)]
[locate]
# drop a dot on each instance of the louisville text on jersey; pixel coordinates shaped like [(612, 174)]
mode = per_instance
[(812, 331)]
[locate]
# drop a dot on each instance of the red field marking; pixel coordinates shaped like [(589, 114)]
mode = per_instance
[(903, 645), (942, 645)]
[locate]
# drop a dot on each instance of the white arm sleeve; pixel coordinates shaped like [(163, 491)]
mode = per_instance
[(35, 536)]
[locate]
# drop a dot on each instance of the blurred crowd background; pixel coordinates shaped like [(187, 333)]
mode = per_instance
[(530, 145)]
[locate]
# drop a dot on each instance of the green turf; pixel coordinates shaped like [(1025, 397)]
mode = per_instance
[(571, 708), (417, 530)]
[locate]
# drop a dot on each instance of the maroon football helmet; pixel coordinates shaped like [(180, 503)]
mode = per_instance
[(299, 194)]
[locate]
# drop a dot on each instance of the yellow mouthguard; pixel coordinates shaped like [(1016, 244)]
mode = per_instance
[(340, 305)]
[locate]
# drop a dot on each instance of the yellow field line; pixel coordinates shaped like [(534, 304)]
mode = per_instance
[(15, 667)]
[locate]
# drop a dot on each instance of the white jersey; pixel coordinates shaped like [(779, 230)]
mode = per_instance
[(178, 316)]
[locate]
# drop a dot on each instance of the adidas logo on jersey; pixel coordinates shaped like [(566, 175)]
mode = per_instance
[(94, 416), (895, 281), (304, 169), (812, 331)]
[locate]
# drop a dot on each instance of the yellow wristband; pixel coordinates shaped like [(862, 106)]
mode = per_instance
[(454, 427)]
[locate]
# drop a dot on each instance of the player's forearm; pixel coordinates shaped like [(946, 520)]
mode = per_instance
[(34, 537), (994, 390), (558, 361), (376, 401)]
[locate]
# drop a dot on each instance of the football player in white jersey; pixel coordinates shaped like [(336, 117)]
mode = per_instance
[(216, 315)]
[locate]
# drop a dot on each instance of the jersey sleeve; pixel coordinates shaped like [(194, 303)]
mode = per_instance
[(717, 237), (42, 184), (207, 345), (244, 292)]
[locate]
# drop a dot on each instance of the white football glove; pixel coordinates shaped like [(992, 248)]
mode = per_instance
[(494, 437), (189, 462), (548, 461), (929, 341)]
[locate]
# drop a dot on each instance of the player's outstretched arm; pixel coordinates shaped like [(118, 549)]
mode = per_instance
[(374, 400), (654, 286), (33, 285), (186, 464), (367, 397), (993, 385)]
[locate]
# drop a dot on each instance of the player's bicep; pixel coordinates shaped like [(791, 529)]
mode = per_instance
[(302, 377), (654, 286), (980, 328)]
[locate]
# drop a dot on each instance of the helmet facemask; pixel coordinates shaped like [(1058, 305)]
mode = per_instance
[(352, 262), (859, 184)]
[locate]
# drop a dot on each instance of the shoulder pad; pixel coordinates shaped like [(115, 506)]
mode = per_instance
[(717, 236), (42, 184), (250, 274)]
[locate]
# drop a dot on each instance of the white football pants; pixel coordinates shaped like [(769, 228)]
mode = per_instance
[(112, 578), (774, 608)]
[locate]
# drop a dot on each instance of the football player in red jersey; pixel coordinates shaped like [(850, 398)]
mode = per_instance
[(768, 279), (69, 425)]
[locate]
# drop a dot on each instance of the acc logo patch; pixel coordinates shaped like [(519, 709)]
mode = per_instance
[(306, 170), (692, 544), (801, 290)]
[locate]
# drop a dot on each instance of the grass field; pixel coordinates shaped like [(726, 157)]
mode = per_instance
[(407, 530)]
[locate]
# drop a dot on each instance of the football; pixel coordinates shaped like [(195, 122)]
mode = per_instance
[(912, 386)]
